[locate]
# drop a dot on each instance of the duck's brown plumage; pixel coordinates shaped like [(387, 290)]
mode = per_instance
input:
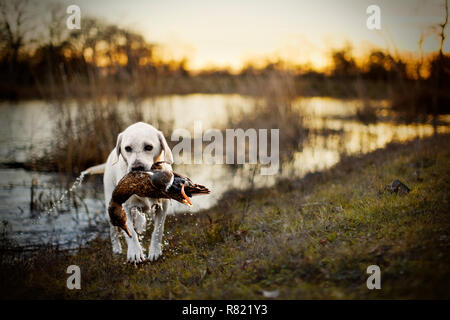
[(155, 184)]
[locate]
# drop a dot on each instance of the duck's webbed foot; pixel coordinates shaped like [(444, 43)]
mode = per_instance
[(156, 207)]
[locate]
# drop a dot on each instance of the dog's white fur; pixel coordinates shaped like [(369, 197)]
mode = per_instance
[(130, 152)]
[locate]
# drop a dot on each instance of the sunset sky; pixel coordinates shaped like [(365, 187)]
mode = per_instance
[(229, 33)]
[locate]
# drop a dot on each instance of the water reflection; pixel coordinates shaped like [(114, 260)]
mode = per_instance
[(26, 130)]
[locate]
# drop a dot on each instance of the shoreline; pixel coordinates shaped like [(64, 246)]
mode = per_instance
[(309, 238)]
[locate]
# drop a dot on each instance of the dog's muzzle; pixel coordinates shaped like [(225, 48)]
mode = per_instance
[(138, 166)]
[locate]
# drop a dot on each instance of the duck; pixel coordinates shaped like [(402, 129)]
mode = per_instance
[(159, 182)]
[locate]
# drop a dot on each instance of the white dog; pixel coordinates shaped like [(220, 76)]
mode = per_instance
[(137, 148)]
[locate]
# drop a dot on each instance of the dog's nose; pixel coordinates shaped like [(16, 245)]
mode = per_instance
[(138, 168)]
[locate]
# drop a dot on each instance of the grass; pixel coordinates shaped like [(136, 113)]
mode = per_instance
[(310, 239)]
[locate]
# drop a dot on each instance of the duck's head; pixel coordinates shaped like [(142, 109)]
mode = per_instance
[(161, 175), (118, 217), (161, 166), (162, 178)]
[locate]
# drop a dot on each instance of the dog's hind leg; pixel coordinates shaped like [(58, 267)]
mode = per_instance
[(155, 250), (115, 242), (113, 231), (139, 220)]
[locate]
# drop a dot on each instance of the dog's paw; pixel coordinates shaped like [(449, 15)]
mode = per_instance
[(154, 253), (135, 255)]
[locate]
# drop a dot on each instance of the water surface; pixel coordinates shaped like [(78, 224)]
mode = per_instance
[(26, 130)]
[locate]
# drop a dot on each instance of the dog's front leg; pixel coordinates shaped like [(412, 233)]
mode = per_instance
[(160, 211), (134, 252)]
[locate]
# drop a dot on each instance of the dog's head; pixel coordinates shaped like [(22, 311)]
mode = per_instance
[(141, 145)]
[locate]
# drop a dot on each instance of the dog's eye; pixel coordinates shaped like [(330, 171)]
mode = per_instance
[(128, 149), (148, 147)]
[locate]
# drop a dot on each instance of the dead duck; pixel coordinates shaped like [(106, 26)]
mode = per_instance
[(159, 182)]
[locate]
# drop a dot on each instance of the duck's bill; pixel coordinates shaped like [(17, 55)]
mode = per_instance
[(186, 200), (125, 228)]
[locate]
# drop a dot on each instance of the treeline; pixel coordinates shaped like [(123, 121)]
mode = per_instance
[(56, 59), (104, 59)]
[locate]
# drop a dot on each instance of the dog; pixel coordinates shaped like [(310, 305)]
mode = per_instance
[(137, 148)]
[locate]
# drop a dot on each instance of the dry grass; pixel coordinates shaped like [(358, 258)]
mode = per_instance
[(86, 132), (308, 238)]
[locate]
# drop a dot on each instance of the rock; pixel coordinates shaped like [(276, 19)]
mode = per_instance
[(398, 187), (270, 294)]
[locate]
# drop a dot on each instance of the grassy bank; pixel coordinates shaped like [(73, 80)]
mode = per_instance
[(308, 238)]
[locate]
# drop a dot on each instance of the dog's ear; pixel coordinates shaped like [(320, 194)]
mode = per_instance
[(164, 149), (118, 148)]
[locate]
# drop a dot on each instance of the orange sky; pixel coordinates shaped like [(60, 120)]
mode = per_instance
[(230, 33)]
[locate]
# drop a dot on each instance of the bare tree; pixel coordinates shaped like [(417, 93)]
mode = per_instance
[(15, 27), (439, 71), (442, 33), (56, 30)]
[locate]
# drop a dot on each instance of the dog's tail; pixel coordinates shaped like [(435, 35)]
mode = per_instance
[(98, 169)]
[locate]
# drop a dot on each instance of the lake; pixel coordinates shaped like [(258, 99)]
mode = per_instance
[(26, 130)]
